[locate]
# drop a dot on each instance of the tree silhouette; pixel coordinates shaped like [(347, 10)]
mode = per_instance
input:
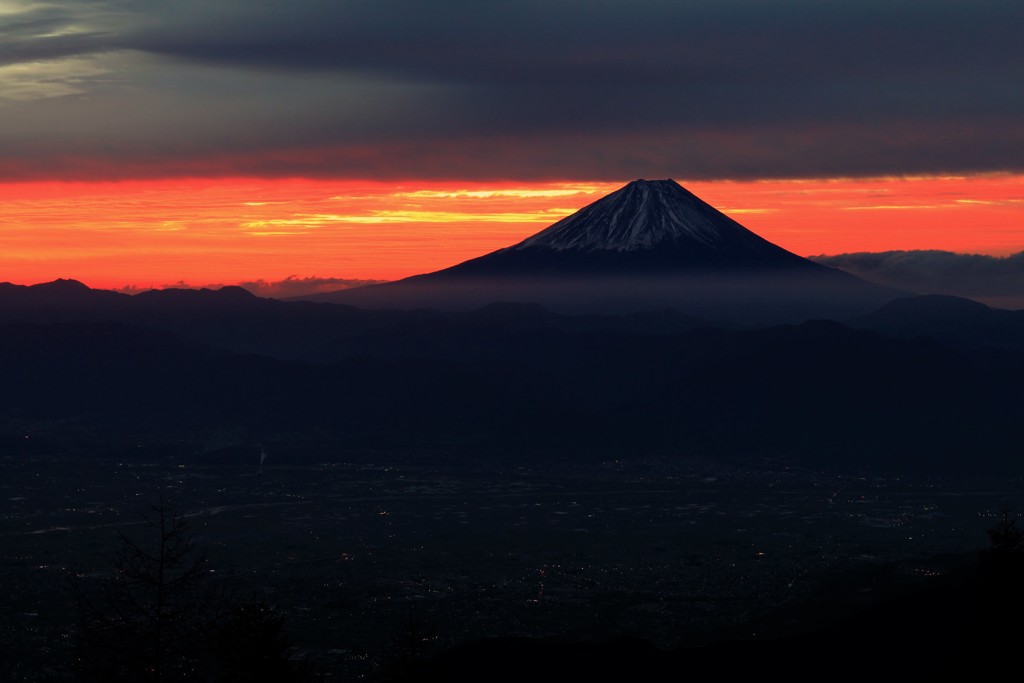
[(253, 647), (998, 592), (1006, 537), (152, 619), (1003, 561)]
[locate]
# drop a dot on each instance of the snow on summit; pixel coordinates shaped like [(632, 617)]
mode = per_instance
[(642, 215)]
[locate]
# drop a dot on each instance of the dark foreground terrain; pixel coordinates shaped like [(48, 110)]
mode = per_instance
[(511, 491), (379, 570)]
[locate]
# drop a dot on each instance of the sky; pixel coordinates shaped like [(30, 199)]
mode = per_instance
[(145, 142)]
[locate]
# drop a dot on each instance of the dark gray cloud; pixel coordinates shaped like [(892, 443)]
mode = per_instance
[(697, 89), (997, 281), (31, 32)]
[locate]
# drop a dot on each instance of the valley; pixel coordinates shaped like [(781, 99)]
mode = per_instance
[(681, 553)]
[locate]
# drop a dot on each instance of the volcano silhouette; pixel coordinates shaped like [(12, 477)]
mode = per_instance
[(649, 245)]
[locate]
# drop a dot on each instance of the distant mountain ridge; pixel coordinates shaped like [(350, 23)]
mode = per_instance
[(233, 319), (954, 321), (515, 380), (504, 391), (58, 293)]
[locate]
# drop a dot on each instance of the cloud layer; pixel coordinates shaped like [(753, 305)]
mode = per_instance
[(274, 289), (997, 281), (525, 89)]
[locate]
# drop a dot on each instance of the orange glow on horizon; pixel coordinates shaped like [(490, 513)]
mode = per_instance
[(223, 231)]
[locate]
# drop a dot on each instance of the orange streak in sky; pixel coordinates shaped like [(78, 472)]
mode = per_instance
[(158, 232)]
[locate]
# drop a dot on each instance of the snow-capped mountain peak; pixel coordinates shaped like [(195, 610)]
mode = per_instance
[(642, 215)]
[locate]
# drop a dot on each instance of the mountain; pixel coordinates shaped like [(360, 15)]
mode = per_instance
[(58, 294), (232, 319), (954, 321), (508, 381), (646, 227), (649, 245), (817, 394)]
